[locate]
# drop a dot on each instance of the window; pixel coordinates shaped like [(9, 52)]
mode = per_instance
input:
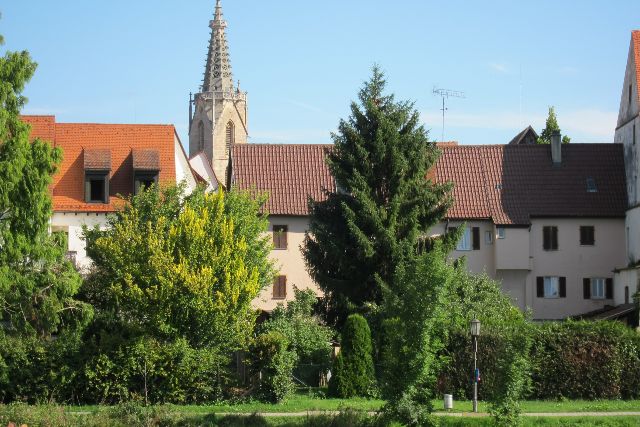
[(501, 232), (551, 287), (475, 238), (488, 238), (96, 187), (230, 136), (591, 185), (626, 295), (587, 235), (280, 237), (280, 287), (550, 238), (597, 288), (200, 136), (144, 180), (464, 244)]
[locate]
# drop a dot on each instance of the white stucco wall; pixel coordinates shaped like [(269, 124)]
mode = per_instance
[(72, 223), (183, 170)]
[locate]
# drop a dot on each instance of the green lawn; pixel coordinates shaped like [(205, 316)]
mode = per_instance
[(302, 402)]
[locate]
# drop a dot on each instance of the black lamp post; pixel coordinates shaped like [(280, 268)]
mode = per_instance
[(475, 333)]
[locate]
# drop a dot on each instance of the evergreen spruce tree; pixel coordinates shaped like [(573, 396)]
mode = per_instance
[(550, 127), (383, 206), (37, 283)]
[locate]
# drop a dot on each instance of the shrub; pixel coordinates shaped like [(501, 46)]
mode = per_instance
[(307, 336), (272, 362), (353, 373)]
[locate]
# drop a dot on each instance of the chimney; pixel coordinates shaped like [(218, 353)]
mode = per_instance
[(556, 148)]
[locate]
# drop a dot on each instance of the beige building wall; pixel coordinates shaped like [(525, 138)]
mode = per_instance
[(574, 262), (289, 261), (72, 223)]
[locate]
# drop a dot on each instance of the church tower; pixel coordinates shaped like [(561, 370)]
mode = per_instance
[(218, 113)]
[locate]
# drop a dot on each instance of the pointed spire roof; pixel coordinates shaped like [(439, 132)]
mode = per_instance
[(217, 74)]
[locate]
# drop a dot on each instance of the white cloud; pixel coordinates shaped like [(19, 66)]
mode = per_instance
[(499, 67)]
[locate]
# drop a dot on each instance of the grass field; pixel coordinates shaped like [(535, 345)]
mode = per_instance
[(302, 402)]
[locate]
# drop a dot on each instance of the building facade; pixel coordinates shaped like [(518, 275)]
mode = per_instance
[(102, 165)]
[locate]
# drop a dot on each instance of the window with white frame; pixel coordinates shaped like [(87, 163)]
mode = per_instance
[(500, 232), (464, 244), (598, 288)]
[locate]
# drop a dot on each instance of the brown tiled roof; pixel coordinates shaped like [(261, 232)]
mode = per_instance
[(97, 159), (508, 184), (513, 183), (146, 160), (635, 37), (290, 173), (119, 140)]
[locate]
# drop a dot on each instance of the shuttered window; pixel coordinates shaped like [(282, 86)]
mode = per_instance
[(587, 235), (597, 288), (550, 238), (280, 287), (551, 287), (280, 237)]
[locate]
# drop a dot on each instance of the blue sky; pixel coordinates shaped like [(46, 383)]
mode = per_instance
[(303, 62)]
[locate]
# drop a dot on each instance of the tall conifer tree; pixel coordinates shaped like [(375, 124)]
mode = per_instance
[(384, 204)]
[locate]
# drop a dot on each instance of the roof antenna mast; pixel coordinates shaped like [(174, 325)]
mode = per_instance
[(446, 93)]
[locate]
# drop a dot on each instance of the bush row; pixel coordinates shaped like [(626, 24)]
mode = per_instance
[(69, 370), (576, 360)]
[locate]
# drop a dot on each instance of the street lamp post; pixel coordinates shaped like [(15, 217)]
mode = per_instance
[(475, 332)]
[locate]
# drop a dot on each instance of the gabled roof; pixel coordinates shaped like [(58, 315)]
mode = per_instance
[(635, 37), (525, 136), (82, 142), (290, 173), (508, 184)]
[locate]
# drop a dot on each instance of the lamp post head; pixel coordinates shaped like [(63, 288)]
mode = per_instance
[(475, 327)]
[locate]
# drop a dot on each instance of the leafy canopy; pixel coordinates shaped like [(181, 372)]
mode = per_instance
[(383, 206), (550, 127), (174, 265), (37, 283)]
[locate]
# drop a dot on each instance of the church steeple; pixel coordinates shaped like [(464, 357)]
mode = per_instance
[(218, 113), (218, 75)]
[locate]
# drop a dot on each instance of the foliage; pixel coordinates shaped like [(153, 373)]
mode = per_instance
[(551, 126), (37, 283), (353, 373), (176, 265), (592, 360), (273, 362), (414, 334), (383, 205), (307, 336)]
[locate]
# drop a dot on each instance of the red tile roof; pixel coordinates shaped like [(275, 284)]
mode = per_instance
[(291, 173), (77, 139), (508, 184), (635, 37)]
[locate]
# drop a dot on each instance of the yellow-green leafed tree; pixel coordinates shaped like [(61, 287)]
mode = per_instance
[(173, 265)]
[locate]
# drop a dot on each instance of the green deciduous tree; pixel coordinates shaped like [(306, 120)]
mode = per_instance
[(353, 373), (550, 127), (37, 284), (383, 206), (174, 265)]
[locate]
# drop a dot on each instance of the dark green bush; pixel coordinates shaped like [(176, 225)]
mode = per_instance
[(272, 364), (353, 372)]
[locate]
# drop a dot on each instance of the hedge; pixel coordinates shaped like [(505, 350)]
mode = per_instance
[(573, 359)]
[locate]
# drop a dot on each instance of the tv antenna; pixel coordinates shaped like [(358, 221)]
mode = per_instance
[(446, 93)]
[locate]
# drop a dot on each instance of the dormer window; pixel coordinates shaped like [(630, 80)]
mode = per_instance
[(146, 169), (97, 166)]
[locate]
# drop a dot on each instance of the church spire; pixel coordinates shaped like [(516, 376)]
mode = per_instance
[(217, 75)]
